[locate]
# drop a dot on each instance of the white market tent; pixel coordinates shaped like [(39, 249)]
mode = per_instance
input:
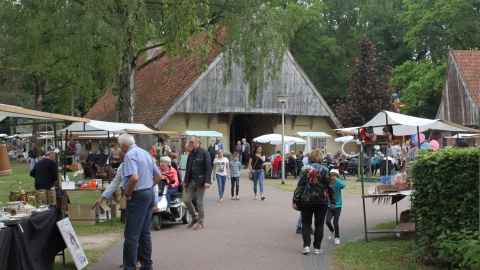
[(462, 135), (402, 125), (276, 139), (344, 138), (202, 133), (406, 125), (310, 134)]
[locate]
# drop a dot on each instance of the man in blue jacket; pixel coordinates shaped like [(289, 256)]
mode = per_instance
[(197, 181)]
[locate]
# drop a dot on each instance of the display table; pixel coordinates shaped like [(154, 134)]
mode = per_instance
[(31, 243), (394, 197)]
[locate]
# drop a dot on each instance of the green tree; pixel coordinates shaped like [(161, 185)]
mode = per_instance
[(420, 84), (257, 36), (50, 43), (433, 27), (368, 92)]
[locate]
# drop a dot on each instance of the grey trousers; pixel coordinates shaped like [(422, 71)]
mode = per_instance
[(200, 191)]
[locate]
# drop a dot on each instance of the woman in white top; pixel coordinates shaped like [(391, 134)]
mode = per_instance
[(222, 171)]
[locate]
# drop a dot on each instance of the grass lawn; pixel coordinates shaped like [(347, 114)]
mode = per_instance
[(20, 173), (353, 187)]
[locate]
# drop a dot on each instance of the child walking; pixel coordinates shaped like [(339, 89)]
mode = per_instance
[(338, 185), (235, 175)]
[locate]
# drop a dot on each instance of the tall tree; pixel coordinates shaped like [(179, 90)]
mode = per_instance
[(50, 42), (258, 34), (368, 92), (433, 28), (421, 86)]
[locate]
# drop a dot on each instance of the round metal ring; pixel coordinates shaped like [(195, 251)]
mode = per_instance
[(349, 155)]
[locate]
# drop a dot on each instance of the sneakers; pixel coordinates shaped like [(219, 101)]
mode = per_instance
[(337, 241), (331, 235), (299, 230), (317, 251), (306, 250)]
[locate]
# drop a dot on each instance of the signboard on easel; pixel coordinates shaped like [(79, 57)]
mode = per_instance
[(72, 243)]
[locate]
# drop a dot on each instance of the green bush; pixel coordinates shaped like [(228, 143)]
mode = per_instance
[(460, 249), (446, 196)]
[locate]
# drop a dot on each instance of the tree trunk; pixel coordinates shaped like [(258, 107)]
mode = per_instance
[(39, 83), (124, 89)]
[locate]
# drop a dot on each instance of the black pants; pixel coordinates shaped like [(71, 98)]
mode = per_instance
[(308, 210), (291, 170), (335, 214), (235, 182)]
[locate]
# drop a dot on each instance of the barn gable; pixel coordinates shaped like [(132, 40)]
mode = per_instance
[(209, 94), (461, 90)]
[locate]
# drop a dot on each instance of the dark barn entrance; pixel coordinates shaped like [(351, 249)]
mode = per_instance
[(240, 128)]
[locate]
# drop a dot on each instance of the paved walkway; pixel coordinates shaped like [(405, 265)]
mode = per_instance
[(251, 234)]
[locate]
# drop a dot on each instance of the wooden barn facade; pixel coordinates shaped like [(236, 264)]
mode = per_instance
[(461, 90), (192, 100)]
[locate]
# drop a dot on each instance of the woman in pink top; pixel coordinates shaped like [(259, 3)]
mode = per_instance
[(170, 174)]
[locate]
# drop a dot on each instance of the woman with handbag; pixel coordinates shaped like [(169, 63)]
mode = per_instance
[(255, 164), (312, 195)]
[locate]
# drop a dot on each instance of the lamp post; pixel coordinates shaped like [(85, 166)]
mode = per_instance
[(283, 99)]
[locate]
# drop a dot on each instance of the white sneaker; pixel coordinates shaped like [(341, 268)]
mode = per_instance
[(337, 241), (306, 250), (331, 235), (317, 251)]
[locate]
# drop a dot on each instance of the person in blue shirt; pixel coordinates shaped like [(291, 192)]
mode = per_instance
[(140, 174), (218, 145), (338, 185)]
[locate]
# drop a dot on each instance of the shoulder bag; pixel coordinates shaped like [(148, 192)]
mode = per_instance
[(250, 174)]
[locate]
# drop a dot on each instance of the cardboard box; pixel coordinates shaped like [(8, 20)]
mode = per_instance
[(103, 212), (406, 230), (390, 188), (115, 210), (81, 214)]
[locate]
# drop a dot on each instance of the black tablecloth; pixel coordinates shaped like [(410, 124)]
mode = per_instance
[(31, 243)]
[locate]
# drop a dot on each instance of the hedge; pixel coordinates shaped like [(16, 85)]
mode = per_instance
[(446, 197)]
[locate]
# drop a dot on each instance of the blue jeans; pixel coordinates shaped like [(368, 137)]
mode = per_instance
[(258, 177), (299, 223), (170, 192), (138, 242), (221, 179)]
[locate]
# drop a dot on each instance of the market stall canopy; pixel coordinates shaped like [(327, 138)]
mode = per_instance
[(95, 127), (14, 111), (311, 134), (344, 138), (462, 135), (202, 133), (276, 139), (406, 125)]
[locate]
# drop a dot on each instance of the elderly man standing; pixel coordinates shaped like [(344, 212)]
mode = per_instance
[(197, 180), (45, 172), (140, 174)]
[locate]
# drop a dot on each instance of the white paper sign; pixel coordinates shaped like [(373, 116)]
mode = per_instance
[(72, 243)]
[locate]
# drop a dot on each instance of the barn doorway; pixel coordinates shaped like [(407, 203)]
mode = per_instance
[(240, 129)]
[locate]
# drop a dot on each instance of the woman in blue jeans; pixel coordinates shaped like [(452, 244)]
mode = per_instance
[(222, 171), (255, 164)]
